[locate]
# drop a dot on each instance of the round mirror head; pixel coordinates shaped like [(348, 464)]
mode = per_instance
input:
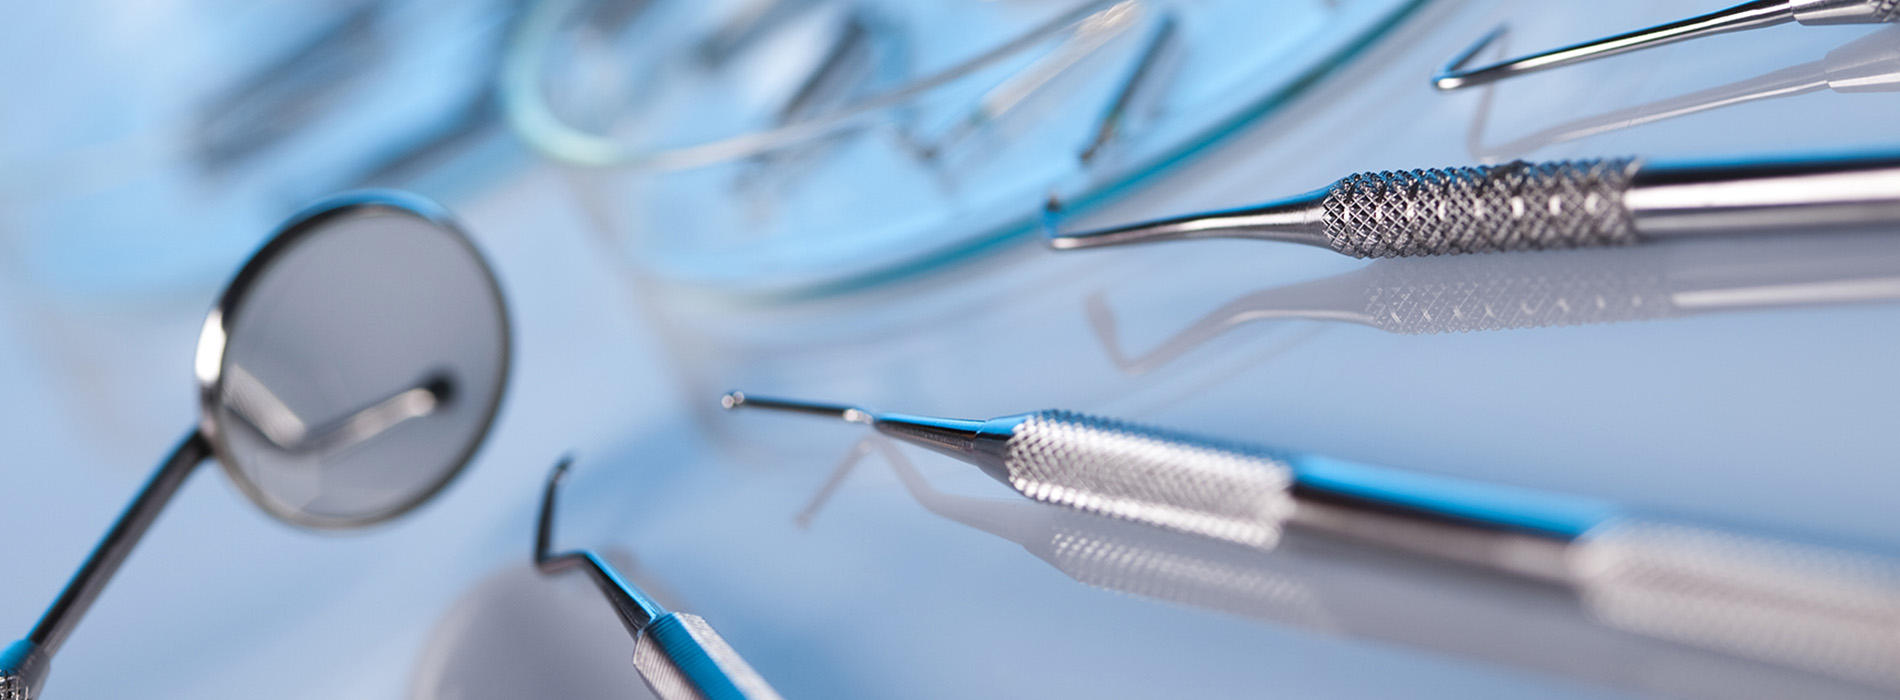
[(355, 363)]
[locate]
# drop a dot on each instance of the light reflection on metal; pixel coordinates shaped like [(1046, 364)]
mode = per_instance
[(1717, 601), (1868, 64), (1521, 206), (1750, 15), (678, 654), (1551, 289)]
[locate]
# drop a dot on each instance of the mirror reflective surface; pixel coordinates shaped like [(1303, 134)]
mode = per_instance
[(362, 358)]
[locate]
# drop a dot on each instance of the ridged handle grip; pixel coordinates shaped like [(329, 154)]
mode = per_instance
[(1514, 206), (1160, 478), (682, 658)]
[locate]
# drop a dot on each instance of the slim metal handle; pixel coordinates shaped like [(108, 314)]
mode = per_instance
[(682, 658), (1514, 206), (24, 664)]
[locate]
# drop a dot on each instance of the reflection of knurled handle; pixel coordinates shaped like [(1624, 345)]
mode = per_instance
[(1531, 291), (1822, 610), (1514, 206), (1154, 477), (682, 658)]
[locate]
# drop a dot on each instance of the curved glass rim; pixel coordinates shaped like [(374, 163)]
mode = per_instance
[(525, 106)]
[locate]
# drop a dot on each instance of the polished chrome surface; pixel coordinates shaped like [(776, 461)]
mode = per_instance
[(1299, 219), (1329, 582), (1156, 477), (1868, 64), (1791, 195), (1752, 15), (24, 666), (678, 654), (255, 407), (1545, 206)]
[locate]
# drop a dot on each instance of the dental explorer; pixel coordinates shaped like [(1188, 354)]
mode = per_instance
[(1826, 635), (1749, 15), (678, 654), (1539, 206), (1674, 580)]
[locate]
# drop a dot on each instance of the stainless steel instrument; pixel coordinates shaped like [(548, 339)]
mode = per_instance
[(1539, 206), (1824, 610), (348, 373), (678, 654), (1749, 15)]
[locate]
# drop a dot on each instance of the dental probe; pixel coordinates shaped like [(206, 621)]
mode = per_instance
[(1540, 206), (1826, 610), (678, 654), (1749, 15), (1225, 491)]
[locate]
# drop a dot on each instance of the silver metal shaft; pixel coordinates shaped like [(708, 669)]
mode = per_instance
[(1750, 15), (1543, 206), (678, 654), (24, 664), (1225, 491)]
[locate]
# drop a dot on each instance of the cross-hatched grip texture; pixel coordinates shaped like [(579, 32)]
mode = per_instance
[(1227, 492), (1531, 291), (1886, 10), (1514, 206)]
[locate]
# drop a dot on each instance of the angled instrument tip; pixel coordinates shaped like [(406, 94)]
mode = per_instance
[(1749, 15), (544, 529), (737, 399)]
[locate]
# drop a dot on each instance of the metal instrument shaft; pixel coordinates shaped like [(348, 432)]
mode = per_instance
[(1541, 206), (1749, 15)]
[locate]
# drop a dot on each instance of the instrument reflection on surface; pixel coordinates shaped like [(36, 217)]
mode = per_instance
[(1710, 606), (966, 114), (1551, 289), (400, 398), (1868, 64), (678, 654), (1756, 14)]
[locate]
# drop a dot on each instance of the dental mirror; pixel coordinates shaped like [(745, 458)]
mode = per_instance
[(346, 375)]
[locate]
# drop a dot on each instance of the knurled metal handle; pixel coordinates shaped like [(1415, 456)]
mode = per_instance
[(1475, 294), (1829, 611), (682, 658), (23, 666), (1184, 483), (1514, 206)]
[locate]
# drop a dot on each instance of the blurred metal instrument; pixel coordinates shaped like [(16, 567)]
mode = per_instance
[(1540, 206), (1319, 582), (678, 654), (1543, 290), (434, 392), (1750, 15), (1868, 64), (1829, 611)]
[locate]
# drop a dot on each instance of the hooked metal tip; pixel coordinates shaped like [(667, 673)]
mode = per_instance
[(544, 530), (1748, 15), (734, 400)]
